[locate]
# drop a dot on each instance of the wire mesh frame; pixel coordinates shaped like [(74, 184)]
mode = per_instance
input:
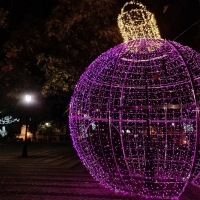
[(133, 120), (138, 17), (196, 175)]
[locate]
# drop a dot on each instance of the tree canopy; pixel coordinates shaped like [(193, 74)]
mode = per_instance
[(3, 17), (77, 33), (48, 55)]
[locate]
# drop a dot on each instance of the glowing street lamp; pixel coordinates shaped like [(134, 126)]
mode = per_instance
[(27, 98), (24, 151)]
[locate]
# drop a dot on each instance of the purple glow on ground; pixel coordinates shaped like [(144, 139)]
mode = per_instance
[(133, 120)]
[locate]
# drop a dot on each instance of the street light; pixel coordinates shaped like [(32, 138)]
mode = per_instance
[(27, 98), (24, 151)]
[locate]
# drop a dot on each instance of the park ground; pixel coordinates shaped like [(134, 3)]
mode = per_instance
[(53, 171)]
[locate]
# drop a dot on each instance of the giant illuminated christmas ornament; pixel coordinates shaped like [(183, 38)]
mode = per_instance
[(135, 21), (196, 173), (134, 117)]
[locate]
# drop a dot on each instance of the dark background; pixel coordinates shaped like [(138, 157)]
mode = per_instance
[(180, 16)]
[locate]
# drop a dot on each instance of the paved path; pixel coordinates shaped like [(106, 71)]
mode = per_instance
[(54, 172)]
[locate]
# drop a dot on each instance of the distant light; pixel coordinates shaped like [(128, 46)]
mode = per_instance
[(128, 131)]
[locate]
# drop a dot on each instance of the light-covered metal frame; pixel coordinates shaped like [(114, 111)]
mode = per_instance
[(135, 21), (134, 117)]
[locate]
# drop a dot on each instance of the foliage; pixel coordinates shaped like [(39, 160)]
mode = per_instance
[(78, 32), (47, 130), (7, 67), (20, 61), (48, 56), (13, 129), (3, 17)]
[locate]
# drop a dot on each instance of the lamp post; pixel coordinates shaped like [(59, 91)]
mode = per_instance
[(24, 151)]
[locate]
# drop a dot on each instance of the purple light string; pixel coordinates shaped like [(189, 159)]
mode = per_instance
[(133, 118)]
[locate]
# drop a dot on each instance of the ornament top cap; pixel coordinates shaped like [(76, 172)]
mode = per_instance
[(135, 21)]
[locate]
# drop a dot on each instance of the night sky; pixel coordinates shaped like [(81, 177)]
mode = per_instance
[(180, 15), (22, 10)]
